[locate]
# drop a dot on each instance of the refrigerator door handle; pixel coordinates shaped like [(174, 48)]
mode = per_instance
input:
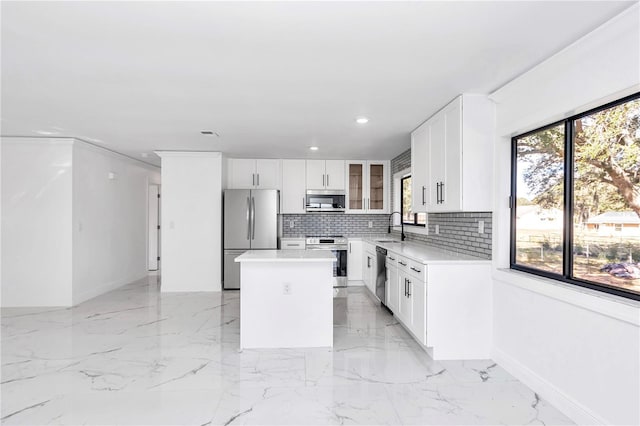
[(253, 218), (248, 219)]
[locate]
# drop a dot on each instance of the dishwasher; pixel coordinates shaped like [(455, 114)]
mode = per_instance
[(381, 274)]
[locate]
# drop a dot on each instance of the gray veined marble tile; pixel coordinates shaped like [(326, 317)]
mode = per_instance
[(136, 356)]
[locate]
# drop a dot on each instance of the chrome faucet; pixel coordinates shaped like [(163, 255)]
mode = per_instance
[(402, 236)]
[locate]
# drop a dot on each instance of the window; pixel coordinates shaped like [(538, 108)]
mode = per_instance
[(408, 217), (568, 179)]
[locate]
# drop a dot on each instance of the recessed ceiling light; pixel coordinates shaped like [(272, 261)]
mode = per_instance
[(313, 148), (210, 133), (362, 120)]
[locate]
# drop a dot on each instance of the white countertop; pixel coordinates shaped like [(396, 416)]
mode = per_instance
[(286, 256), (427, 254)]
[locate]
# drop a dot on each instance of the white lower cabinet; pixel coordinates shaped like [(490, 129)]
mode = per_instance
[(412, 304), (392, 284), (418, 298), (445, 306), (369, 267), (458, 311), (354, 260)]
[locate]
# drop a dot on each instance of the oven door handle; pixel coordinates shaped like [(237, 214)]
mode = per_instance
[(328, 247)]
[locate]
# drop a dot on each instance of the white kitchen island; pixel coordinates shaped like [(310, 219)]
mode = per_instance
[(286, 298)]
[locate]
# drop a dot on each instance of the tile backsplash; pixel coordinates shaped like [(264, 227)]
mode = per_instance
[(458, 232), (333, 224)]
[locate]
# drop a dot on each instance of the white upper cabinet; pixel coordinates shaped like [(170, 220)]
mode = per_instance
[(293, 186), (451, 161), (335, 174), (316, 177), (253, 174), (325, 174), (241, 173), (367, 186), (420, 168)]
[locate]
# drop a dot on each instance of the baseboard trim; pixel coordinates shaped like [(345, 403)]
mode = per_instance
[(102, 289), (563, 402)]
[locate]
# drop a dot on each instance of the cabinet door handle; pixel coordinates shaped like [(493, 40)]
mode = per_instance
[(441, 192), (327, 180), (403, 264), (414, 269), (391, 258), (258, 179), (423, 190), (253, 179), (349, 247), (323, 184), (437, 192), (368, 262), (408, 288)]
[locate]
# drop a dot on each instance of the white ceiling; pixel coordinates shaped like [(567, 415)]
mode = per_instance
[(272, 78)]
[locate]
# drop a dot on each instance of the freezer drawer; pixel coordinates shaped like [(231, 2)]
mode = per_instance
[(231, 278)]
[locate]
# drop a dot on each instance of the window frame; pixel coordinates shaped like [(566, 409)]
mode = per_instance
[(568, 205), (415, 215)]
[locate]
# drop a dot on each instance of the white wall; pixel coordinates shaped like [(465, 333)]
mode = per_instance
[(36, 222), (191, 205), (109, 220), (578, 348), (68, 232)]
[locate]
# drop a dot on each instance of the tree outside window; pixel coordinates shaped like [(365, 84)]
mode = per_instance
[(576, 186)]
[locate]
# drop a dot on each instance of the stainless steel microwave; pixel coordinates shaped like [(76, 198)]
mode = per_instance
[(325, 200)]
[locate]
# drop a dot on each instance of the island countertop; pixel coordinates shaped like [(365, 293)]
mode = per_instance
[(286, 256)]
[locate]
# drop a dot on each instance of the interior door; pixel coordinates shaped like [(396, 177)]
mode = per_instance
[(237, 219), (264, 221), (154, 231)]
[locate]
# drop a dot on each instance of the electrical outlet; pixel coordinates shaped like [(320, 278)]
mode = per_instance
[(437, 229), (481, 227), (291, 224), (286, 288), (370, 224)]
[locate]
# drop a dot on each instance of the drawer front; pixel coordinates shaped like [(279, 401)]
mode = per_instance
[(293, 245), (417, 270)]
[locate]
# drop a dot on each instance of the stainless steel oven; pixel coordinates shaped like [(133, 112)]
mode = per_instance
[(338, 246)]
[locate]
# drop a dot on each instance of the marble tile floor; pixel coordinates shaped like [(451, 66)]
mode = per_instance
[(135, 356)]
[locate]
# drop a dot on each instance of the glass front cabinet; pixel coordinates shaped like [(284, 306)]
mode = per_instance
[(368, 186)]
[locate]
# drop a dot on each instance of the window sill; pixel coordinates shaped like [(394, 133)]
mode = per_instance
[(620, 308)]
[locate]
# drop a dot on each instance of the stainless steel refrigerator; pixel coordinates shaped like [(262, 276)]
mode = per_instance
[(250, 223)]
